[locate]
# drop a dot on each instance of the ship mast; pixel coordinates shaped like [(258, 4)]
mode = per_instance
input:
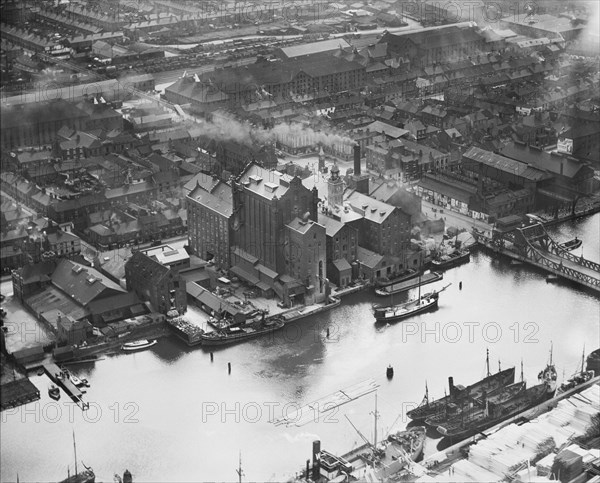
[(239, 471), (583, 358), (487, 361), (75, 451), (521, 370), (375, 415)]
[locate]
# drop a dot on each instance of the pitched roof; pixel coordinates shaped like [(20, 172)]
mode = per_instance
[(314, 48), (505, 164), (83, 284), (219, 199), (542, 159), (369, 208)]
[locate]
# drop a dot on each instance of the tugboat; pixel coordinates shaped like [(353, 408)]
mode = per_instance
[(458, 393), (54, 392)]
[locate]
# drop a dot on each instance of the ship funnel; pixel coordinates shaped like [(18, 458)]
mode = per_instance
[(316, 455), (451, 385)]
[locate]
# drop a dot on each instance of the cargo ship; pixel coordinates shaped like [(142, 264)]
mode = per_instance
[(468, 409), (468, 423), (242, 332), (459, 393), (381, 459)]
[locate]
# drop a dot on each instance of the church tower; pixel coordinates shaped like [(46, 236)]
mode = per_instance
[(335, 189)]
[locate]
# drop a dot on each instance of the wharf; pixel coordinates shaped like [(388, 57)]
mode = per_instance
[(71, 389), (409, 284), (17, 393), (304, 311), (438, 463), (350, 290)]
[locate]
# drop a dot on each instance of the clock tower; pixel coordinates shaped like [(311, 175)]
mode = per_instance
[(335, 189)]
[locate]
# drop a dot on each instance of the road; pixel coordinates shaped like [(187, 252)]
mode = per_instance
[(454, 219)]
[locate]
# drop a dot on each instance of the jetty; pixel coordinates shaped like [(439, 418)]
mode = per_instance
[(57, 375)]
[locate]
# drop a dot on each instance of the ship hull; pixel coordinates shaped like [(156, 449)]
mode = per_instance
[(490, 383), (529, 398), (394, 315), (463, 257), (229, 339)]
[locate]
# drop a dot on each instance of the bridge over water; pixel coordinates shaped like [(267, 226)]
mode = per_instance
[(532, 244)]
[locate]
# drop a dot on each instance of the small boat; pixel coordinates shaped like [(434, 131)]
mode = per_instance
[(54, 392), (75, 380), (571, 244), (552, 278), (451, 260), (138, 345)]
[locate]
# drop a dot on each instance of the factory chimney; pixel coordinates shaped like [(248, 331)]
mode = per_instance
[(357, 160)]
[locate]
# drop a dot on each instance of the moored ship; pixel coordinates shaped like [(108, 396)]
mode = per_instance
[(571, 244), (239, 333), (186, 331), (393, 313), (453, 259), (380, 459), (494, 412), (402, 276), (400, 287), (138, 345), (458, 393), (470, 407), (580, 377)]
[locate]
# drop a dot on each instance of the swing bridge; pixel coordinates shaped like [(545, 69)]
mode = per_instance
[(533, 245)]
